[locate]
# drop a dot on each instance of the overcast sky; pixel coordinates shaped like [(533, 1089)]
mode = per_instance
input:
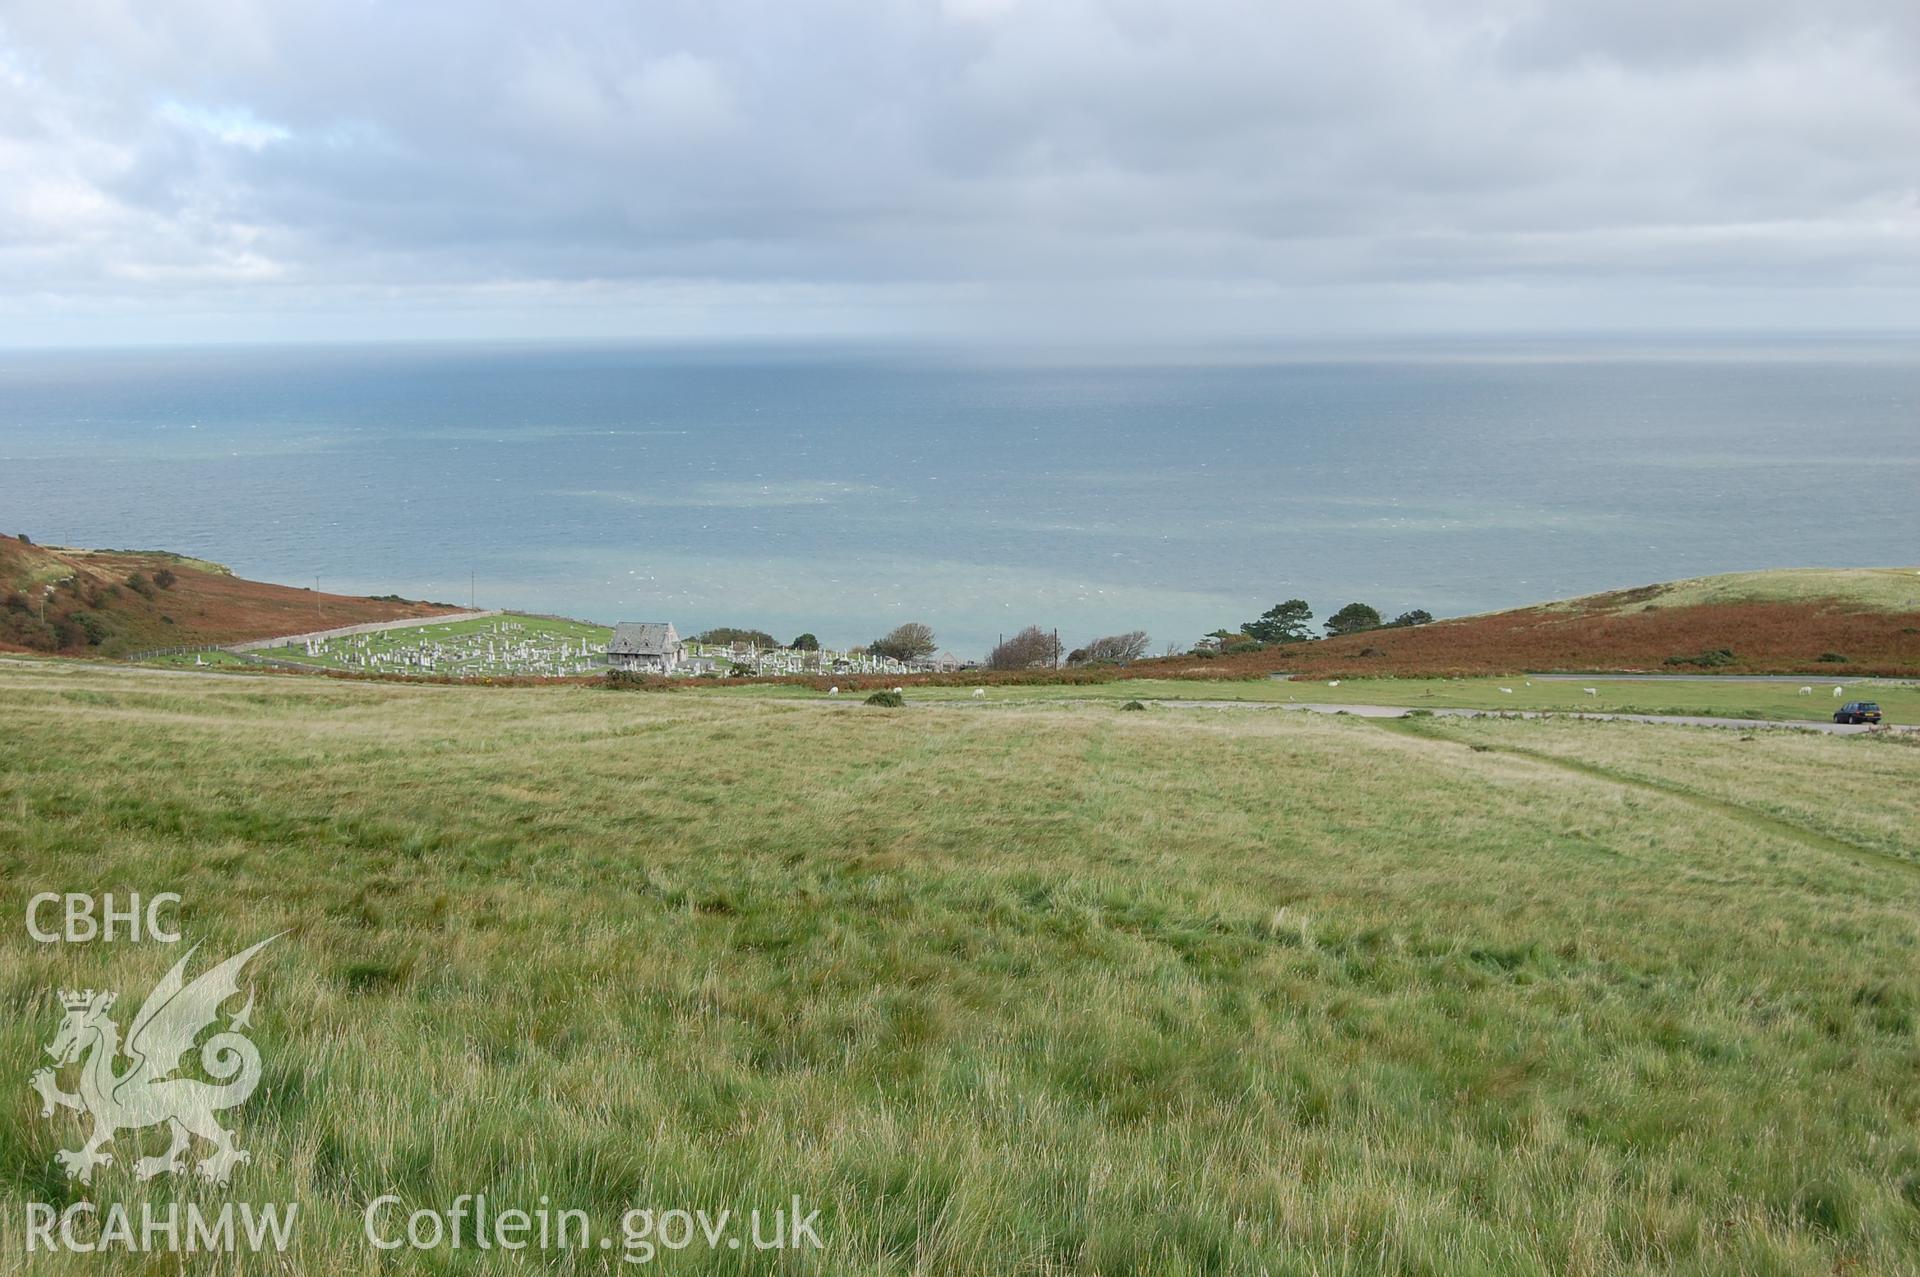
[(231, 169)]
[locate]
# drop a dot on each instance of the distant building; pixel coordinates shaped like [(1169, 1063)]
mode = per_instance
[(648, 647)]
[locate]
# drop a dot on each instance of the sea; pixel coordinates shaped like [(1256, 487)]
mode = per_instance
[(841, 490)]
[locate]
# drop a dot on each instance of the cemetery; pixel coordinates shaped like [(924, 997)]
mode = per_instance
[(720, 659), (510, 645), (519, 645)]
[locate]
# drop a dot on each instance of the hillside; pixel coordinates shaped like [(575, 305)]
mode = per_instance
[(1791, 621), (113, 602), (1056, 990)]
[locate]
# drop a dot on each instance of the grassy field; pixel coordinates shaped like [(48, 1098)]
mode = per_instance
[(1885, 589), (1712, 697), (1050, 989)]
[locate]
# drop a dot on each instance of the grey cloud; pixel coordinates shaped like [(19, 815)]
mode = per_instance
[(1152, 165)]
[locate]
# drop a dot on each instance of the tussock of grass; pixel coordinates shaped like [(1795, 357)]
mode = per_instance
[(1036, 990)]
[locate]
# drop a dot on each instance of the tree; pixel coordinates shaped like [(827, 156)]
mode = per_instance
[(165, 578), (909, 642), (1118, 648), (1352, 619), (1419, 616), (805, 643), (1287, 622), (1031, 648), (24, 538), (734, 634)]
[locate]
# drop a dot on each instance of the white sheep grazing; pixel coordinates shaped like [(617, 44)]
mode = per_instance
[(898, 692), (1591, 691), (1839, 691), (1806, 691), (979, 693), (833, 691), (1334, 683), (1507, 690)]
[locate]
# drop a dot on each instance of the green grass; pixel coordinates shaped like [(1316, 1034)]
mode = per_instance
[(1887, 589), (216, 659), (1052, 989), (1713, 697)]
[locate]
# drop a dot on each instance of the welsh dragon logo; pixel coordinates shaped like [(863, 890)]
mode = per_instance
[(146, 1093)]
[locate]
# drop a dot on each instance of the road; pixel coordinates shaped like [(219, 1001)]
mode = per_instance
[(1677, 720)]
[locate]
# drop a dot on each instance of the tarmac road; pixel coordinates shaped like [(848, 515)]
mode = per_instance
[(1677, 720)]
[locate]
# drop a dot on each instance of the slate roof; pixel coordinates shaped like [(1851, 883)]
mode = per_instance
[(643, 638)]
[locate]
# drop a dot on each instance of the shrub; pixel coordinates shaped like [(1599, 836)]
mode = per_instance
[(165, 578), (1832, 658), (1712, 659), (24, 538), (1133, 705), (635, 681), (887, 700), (139, 584)]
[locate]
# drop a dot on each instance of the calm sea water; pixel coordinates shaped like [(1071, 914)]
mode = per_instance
[(843, 492)]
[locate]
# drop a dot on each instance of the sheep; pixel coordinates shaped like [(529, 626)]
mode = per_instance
[(1839, 691), (1334, 683), (979, 693), (1806, 691), (1591, 691), (899, 692), (833, 691), (1507, 691)]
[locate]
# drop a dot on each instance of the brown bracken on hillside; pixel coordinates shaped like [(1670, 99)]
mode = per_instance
[(116, 602)]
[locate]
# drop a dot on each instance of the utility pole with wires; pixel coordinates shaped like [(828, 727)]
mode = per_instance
[(473, 578)]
